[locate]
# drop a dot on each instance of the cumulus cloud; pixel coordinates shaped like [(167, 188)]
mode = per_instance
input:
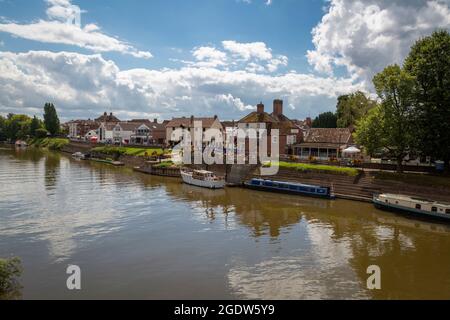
[(366, 35), (85, 85), (251, 56), (58, 30)]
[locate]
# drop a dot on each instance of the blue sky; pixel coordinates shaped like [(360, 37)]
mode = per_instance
[(170, 29), (170, 58)]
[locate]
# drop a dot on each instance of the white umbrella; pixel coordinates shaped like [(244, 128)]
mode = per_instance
[(351, 150)]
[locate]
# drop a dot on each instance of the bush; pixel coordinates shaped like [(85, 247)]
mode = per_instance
[(10, 271), (41, 133)]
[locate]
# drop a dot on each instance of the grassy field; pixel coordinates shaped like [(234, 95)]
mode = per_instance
[(415, 178), (50, 143), (318, 168), (130, 151)]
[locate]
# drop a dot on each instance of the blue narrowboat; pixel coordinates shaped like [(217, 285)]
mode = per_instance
[(290, 188)]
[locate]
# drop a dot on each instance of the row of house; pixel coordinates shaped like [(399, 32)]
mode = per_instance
[(296, 137)]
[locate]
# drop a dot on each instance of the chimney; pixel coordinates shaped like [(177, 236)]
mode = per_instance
[(105, 114), (309, 122), (192, 120), (215, 117), (155, 120), (110, 114), (260, 108), (277, 107)]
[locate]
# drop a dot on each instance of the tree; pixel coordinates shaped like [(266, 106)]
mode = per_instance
[(2, 128), (34, 125), (429, 63), (51, 120), (325, 120), (17, 126), (352, 107), (370, 131), (41, 133), (395, 88), (10, 270)]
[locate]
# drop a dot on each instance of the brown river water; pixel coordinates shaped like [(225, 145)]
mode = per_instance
[(145, 237)]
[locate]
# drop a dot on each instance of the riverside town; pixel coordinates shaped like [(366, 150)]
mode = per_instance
[(180, 164)]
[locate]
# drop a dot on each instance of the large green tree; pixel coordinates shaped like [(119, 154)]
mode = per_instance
[(352, 107), (370, 132), (395, 87), (34, 125), (17, 126), (51, 119), (325, 120), (429, 63)]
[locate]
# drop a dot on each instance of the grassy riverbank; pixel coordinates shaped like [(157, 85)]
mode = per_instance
[(305, 167), (49, 143), (129, 151)]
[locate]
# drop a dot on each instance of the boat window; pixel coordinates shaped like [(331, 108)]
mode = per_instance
[(256, 183), (268, 184), (434, 209), (284, 186), (293, 187), (418, 206)]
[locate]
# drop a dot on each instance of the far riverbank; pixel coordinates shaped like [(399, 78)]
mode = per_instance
[(359, 187)]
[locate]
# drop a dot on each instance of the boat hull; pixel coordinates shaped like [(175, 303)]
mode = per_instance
[(188, 179), (410, 211), (287, 191)]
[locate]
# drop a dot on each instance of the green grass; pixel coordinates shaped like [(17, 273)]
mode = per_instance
[(318, 168), (50, 143), (415, 178), (165, 164), (129, 151)]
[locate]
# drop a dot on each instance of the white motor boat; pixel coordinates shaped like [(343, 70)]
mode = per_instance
[(79, 156), (202, 178)]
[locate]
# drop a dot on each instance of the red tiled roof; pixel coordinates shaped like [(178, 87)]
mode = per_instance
[(188, 123), (328, 135)]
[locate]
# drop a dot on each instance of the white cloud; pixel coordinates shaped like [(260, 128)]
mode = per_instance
[(365, 36), (253, 57), (86, 85), (209, 57), (247, 51), (58, 31)]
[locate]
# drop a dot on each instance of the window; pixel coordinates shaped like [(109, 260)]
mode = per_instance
[(447, 211), (418, 207), (433, 209)]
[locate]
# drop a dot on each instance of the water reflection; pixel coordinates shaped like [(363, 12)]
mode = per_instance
[(224, 243)]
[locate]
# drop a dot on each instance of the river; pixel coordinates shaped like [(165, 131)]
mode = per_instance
[(144, 237)]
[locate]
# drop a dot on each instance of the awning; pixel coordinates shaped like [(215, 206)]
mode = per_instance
[(351, 150)]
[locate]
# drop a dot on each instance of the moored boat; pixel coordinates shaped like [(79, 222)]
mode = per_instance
[(21, 144), (412, 206), (290, 188), (202, 178), (79, 156)]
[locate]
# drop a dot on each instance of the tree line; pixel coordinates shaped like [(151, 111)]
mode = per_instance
[(411, 115), (20, 126)]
